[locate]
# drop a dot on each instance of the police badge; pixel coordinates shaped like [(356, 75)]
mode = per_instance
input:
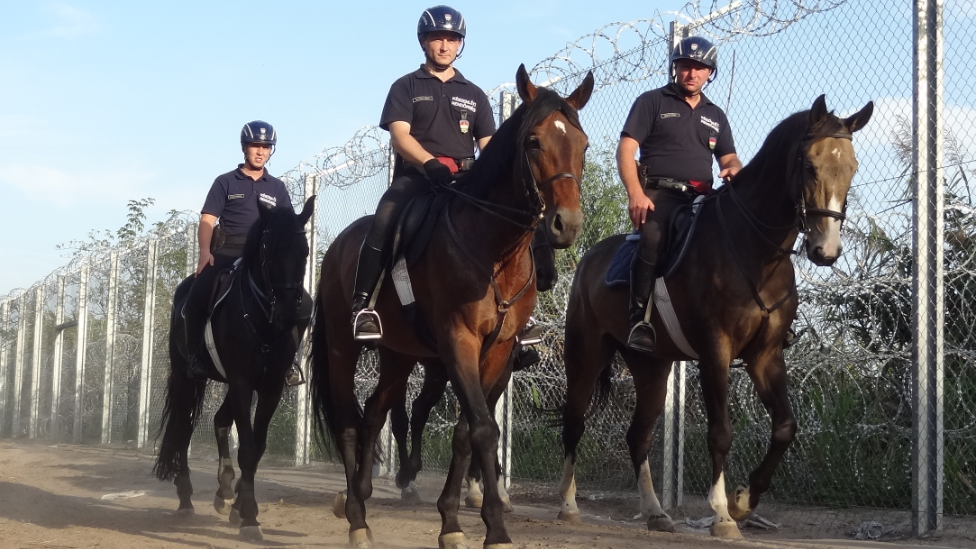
[(463, 125)]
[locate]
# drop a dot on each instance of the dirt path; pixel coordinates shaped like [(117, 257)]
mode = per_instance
[(52, 497)]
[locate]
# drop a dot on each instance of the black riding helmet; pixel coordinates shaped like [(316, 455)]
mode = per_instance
[(260, 132), (696, 48), (442, 18)]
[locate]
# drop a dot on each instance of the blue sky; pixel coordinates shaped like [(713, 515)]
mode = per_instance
[(106, 101)]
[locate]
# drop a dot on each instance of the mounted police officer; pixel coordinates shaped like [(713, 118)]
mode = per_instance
[(233, 199), (678, 131), (435, 118)]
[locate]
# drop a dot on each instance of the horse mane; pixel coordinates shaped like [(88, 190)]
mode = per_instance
[(781, 143), (280, 225), (507, 145)]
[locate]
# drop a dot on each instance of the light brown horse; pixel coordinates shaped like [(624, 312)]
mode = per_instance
[(734, 296), (475, 286)]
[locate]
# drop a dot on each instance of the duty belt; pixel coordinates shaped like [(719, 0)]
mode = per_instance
[(235, 241), (690, 188)]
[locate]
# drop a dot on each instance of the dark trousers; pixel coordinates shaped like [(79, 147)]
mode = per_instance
[(654, 237), (377, 247), (198, 301)]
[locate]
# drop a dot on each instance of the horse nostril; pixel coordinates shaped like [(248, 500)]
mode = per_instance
[(557, 225)]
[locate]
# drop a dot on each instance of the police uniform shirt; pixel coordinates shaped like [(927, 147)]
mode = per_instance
[(676, 141), (234, 199), (446, 118)]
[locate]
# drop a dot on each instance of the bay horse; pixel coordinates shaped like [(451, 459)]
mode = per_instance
[(473, 284), (256, 330), (434, 386), (734, 295)]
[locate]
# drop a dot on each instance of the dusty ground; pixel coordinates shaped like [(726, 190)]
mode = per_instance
[(52, 497)]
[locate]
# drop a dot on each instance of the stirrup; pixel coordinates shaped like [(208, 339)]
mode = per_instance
[(362, 319), (295, 376), (634, 343), (531, 334)]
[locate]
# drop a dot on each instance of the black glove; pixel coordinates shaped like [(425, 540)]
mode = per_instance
[(438, 173)]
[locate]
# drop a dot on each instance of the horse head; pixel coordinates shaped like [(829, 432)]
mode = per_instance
[(826, 163), (277, 259), (553, 145)]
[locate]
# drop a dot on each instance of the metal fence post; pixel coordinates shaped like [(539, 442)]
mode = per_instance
[(4, 363), (148, 317), (192, 251), (303, 439), (673, 445), (80, 355), (113, 288), (15, 427), (39, 298), (929, 306), (55, 429)]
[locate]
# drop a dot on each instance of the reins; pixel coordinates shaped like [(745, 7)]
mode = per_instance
[(800, 223)]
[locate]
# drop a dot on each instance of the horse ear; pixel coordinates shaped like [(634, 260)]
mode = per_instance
[(818, 111), (582, 94), (857, 120), (307, 210), (526, 89)]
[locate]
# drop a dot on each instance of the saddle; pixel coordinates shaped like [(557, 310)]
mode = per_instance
[(683, 221)]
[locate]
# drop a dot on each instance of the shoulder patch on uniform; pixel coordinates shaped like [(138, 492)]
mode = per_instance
[(670, 115), (420, 98)]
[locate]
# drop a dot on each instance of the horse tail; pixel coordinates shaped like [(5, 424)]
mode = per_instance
[(184, 404), (324, 410), (603, 390)]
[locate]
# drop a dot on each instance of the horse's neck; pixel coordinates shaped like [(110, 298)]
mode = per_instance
[(491, 238)]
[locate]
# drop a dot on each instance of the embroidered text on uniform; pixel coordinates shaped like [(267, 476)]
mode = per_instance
[(711, 123), (464, 103), (670, 115), (420, 98)]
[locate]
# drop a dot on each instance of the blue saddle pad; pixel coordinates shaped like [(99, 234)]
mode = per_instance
[(619, 271)]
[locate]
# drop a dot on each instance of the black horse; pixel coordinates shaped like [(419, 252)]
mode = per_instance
[(256, 328)]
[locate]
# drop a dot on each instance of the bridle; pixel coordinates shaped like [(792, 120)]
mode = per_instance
[(797, 184), (268, 302)]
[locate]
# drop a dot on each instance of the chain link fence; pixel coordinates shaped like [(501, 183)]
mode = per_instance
[(882, 378)]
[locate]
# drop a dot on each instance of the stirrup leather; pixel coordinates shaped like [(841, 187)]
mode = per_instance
[(366, 315)]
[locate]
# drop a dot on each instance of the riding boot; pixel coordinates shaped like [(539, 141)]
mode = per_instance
[(366, 323), (641, 337), (194, 321)]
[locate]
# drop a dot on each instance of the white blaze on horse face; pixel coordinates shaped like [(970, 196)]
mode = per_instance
[(560, 126), (836, 153)]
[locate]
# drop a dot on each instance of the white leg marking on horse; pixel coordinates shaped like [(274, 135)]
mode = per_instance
[(474, 498), (719, 501), (562, 127), (567, 489), (649, 504)]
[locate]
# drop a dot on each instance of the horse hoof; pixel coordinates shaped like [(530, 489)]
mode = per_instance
[(185, 512), (222, 506), (507, 506), (727, 530), (361, 539), (660, 523), (235, 517), (473, 502), (454, 540), (410, 494), (572, 517), (339, 505), (251, 533)]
